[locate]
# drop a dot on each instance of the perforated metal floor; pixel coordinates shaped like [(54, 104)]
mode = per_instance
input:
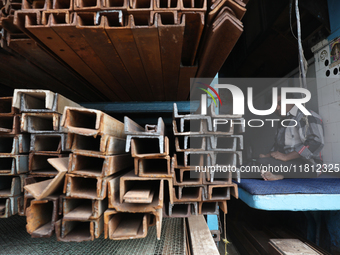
[(15, 240)]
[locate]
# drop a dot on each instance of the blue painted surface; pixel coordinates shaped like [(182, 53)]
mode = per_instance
[(334, 18), (212, 222), (291, 202)]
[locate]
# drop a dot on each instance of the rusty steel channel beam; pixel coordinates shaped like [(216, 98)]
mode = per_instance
[(41, 216), (187, 193), (222, 192), (132, 128), (39, 164), (141, 8), (46, 34), (194, 24), (191, 143), (185, 176), (62, 4), (64, 25), (182, 209), (147, 41), (149, 147), (236, 8), (185, 74), (14, 144), (6, 108), (9, 206), (76, 186), (170, 32), (194, 6), (209, 207), (78, 231), (225, 143), (31, 100), (194, 158), (10, 124), (91, 26), (101, 144), (42, 189), (123, 225), (83, 209), (48, 143), (119, 30), (13, 164), (154, 167), (91, 123), (40, 123), (10, 186), (98, 165), (39, 5), (219, 177)]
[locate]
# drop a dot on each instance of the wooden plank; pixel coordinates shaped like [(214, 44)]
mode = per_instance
[(200, 237)]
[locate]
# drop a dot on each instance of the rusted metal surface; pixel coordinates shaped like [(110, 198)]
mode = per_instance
[(122, 225), (41, 216), (170, 32), (83, 209), (10, 124), (13, 144), (150, 147), (98, 165), (10, 186), (86, 187), (147, 42), (185, 176), (225, 143), (40, 190), (91, 123), (9, 206), (182, 209), (190, 193), (91, 26), (120, 33), (6, 108), (194, 24), (101, 144), (185, 74), (208, 208), (226, 28), (78, 231), (48, 143), (38, 163), (13, 164), (157, 167), (28, 100), (190, 143), (132, 128), (40, 123)]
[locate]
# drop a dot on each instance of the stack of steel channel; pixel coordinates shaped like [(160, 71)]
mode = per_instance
[(14, 149), (125, 49), (41, 112), (136, 200), (204, 161), (97, 141)]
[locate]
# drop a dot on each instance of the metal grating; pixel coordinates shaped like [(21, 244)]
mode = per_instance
[(15, 240)]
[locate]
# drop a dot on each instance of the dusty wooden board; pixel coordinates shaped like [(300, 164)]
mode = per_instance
[(200, 236)]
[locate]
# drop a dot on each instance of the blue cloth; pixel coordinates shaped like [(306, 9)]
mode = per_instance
[(291, 186)]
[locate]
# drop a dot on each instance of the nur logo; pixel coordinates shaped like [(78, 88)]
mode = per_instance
[(204, 97)]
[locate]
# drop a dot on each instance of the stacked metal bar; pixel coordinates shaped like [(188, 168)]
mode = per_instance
[(41, 111), (204, 161), (123, 50), (14, 148), (136, 200), (98, 158)]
